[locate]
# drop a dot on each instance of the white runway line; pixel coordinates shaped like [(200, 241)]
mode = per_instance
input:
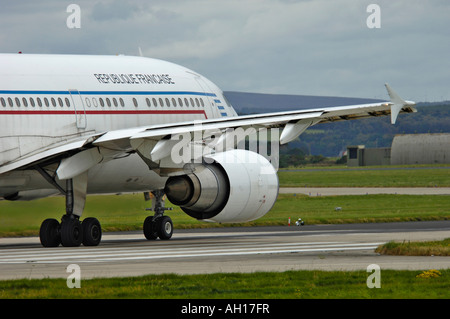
[(105, 254)]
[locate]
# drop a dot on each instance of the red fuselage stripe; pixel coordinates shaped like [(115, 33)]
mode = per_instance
[(122, 112)]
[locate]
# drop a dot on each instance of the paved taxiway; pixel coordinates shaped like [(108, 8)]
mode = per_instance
[(327, 247), (338, 191)]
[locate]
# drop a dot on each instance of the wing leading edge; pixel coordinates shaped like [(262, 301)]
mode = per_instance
[(76, 156)]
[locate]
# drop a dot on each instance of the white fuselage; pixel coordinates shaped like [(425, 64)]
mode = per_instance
[(46, 100)]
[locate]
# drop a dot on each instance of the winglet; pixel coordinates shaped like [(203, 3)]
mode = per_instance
[(397, 103)]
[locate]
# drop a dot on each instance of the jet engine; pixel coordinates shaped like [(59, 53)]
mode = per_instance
[(233, 186)]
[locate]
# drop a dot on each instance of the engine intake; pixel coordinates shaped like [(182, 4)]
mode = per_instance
[(237, 186), (201, 194)]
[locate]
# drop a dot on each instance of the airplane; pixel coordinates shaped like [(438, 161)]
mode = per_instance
[(74, 125)]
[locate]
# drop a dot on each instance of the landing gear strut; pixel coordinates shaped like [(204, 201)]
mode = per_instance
[(158, 225), (71, 232)]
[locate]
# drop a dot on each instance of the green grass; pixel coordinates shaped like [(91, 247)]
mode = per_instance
[(360, 208), (426, 248), (259, 285), (363, 177), (127, 212)]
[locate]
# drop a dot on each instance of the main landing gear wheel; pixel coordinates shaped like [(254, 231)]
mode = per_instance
[(70, 232), (161, 227), (92, 232), (49, 233)]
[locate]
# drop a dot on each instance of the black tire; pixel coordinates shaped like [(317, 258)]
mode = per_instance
[(49, 233), (92, 232), (150, 231), (71, 232), (165, 227)]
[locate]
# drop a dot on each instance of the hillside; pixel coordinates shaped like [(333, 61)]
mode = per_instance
[(330, 139)]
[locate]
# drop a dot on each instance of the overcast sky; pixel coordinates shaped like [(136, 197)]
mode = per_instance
[(320, 47)]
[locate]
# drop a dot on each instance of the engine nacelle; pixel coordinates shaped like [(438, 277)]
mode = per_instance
[(237, 186)]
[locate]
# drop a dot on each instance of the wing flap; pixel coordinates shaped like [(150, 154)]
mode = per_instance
[(47, 154)]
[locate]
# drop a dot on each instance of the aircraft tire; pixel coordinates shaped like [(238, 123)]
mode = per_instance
[(49, 233), (165, 228), (150, 228), (71, 232), (92, 232)]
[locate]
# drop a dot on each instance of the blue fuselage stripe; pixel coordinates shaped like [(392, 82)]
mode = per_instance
[(106, 92)]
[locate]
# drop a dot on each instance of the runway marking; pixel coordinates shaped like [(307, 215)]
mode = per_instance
[(146, 252)]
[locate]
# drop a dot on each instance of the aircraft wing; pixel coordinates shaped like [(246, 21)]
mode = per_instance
[(78, 155)]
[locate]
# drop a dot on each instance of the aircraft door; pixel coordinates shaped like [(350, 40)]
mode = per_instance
[(80, 111), (211, 105)]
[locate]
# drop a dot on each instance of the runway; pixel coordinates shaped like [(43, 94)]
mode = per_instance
[(327, 247)]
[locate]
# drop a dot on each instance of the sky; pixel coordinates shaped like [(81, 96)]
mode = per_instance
[(307, 47)]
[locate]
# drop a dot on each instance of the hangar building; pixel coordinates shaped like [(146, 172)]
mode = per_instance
[(406, 149), (420, 149)]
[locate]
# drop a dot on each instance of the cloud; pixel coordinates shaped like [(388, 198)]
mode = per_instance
[(321, 47)]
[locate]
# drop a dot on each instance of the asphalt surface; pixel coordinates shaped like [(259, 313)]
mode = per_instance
[(339, 191), (235, 249)]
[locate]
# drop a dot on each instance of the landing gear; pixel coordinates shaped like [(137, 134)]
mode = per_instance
[(92, 232), (50, 233), (158, 225), (161, 227), (71, 232)]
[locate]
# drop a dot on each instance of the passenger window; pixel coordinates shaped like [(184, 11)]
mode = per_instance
[(161, 102), (3, 102), (121, 102), (180, 102), (174, 102), (202, 103), (53, 101), (135, 102), (67, 102), (39, 101), (115, 101), (46, 102), (154, 102), (32, 102), (17, 101), (148, 102), (108, 102), (94, 102), (10, 101), (88, 102), (197, 102), (24, 101), (167, 102), (192, 102), (60, 102), (102, 104)]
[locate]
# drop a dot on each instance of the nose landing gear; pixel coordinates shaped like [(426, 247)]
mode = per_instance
[(158, 225)]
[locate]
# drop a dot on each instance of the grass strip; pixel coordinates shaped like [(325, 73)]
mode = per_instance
[(127, 212), (260, 285), (353, 177), (426, 248)]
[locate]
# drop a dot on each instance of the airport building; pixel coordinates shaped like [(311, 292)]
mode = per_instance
[(406, 149)]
